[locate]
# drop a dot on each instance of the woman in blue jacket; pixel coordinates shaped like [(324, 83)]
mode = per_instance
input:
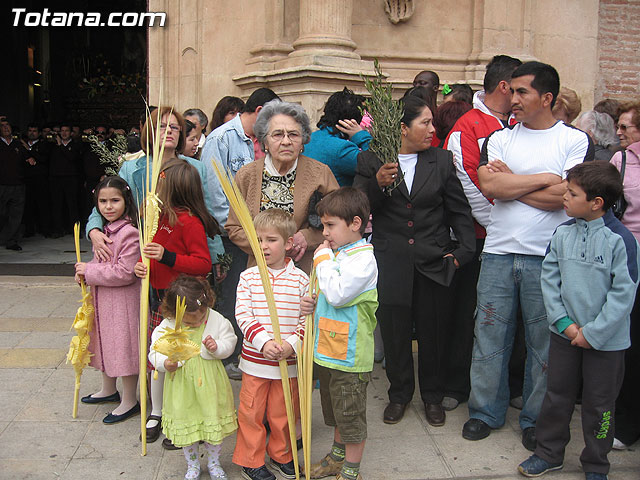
[(340, 138)]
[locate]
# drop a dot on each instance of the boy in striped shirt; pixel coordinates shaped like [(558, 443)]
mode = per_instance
[(345, 319), (261, 391)]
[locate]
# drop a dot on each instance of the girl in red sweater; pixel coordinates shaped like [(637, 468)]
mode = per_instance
[(179, 246)]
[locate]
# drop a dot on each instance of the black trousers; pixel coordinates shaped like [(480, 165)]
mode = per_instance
[(37, 209), (64, 193), (12, 207), (601, 374), (628, 403), (430, 313), (227, 304), (460, 344)]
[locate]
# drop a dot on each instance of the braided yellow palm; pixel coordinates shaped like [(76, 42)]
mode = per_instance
[(79, 355), (174, 342)]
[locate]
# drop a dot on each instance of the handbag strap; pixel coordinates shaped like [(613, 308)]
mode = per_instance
[(623, 164)]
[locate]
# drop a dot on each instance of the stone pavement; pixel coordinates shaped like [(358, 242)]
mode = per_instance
[(39, 439)]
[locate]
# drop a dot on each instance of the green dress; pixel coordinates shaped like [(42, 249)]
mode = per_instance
[(194, 411)]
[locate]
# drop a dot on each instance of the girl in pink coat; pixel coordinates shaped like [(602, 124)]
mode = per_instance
[(116, 297)]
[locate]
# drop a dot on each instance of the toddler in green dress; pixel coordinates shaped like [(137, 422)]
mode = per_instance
[(198, 401)]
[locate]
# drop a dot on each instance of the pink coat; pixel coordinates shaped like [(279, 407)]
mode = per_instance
[(631, 217), (116, 296)]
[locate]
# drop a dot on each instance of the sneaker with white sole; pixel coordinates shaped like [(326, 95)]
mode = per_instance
[(260, 473), (534, 466), (287, 470)]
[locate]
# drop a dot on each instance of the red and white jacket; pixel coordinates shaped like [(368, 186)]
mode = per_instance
[(465, 142), (252, 314)]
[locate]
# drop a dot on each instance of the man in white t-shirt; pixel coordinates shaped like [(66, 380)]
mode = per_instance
[(523, 168)]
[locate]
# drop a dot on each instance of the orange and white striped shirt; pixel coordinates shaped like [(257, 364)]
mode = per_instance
[(252, 314)]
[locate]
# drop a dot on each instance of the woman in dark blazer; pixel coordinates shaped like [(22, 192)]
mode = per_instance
[(417, 258)]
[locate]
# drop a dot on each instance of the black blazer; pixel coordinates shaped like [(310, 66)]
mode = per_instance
[(411, 230)]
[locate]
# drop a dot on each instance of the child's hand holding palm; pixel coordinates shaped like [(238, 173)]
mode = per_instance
[(153, 250), (170, 366)]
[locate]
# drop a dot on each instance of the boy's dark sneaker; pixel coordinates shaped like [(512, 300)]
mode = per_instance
[(534, 466), (529, 439), (260, 473), (595, 476), (287, 470)]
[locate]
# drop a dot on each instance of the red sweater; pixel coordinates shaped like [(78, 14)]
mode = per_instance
[(186, 251)]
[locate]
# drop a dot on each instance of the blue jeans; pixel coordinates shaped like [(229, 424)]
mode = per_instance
[(505, 282)]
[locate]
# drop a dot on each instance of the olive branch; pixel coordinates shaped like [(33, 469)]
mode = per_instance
[(386, 114)]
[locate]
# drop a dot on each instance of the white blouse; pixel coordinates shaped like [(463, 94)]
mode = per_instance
[(408, 163)]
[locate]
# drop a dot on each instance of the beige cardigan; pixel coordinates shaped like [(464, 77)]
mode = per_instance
[(311, 175)]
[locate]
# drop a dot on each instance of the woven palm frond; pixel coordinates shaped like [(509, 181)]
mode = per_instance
[(79, 355), (174, 342)]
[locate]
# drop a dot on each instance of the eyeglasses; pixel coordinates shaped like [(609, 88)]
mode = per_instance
[(623, 128), (173, 127), (279, 135)]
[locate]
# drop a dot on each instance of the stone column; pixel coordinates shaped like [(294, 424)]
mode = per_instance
[(499, 27), (325, 29), (323, 59), (275, 45)]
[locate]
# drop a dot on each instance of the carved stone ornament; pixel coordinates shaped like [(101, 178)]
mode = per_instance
[(399, 10)]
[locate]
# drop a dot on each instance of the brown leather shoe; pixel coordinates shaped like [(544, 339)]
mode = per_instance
[(394, 412), (435, 414), (327, 467)]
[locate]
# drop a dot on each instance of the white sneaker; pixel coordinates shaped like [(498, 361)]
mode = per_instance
[(618, 445), (233, 372)]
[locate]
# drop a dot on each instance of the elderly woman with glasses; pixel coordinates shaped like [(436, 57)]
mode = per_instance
[(284, 179)]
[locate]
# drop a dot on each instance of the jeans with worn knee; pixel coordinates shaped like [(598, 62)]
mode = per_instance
[(505, 282)]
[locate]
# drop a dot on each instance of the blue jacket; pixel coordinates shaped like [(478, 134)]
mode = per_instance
[(340, 155), (232, 149), (590, 275), (135, 173)]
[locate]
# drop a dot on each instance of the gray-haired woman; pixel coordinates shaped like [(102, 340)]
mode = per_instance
[(601, 129), (283, 179)]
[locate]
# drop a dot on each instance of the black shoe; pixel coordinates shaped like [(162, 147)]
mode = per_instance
[(475, 429), (529, 439), (14, 246), (299, 444), (260, 473), (287, 470), (111, 418), (394, 412), (153, 433), (435, 414), (168, 445), (108, 399)]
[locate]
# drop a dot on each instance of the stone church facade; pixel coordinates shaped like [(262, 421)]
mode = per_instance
[(306, 49)]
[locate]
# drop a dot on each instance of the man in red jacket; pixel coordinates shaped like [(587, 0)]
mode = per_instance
[(491, 112)]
